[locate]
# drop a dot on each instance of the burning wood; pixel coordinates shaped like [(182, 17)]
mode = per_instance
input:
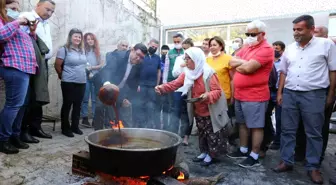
[(110, 179), (116, 126), (177, 173), (204, 180)]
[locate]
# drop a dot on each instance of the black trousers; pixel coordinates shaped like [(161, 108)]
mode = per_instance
[(300, 149), (32, 118), (73, 94)]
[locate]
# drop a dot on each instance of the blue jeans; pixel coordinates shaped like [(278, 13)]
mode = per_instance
[(162, 105), (308, 105), (179, 113), (16, 83), (147, 112), (90, 92)]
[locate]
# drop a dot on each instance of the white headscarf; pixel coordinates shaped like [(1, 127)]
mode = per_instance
[(196, 55)]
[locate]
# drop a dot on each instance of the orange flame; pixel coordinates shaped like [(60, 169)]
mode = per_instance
[(115, 126), (181, 176), (168, 170), (110, 179), (144, 177)]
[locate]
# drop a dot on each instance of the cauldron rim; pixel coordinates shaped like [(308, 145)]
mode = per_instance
[(171, 134)]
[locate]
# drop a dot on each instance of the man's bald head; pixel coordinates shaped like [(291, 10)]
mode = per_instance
[(321, 31)]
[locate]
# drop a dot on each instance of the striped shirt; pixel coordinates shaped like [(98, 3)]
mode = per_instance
[(18, 48)]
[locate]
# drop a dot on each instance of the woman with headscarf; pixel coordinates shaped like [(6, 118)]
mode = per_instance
[(210, 108)]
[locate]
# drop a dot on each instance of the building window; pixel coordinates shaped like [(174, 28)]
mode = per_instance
[(332, 26)]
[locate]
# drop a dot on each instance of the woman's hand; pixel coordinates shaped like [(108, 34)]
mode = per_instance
[(32, 27), (158, 89), (22, 21), (204, 96)]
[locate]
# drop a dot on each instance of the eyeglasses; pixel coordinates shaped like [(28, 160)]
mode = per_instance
[(252, 34)]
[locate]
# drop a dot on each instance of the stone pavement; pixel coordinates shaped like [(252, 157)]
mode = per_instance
[(49, 163)]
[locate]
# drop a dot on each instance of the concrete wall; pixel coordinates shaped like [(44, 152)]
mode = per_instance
[(110, 20)]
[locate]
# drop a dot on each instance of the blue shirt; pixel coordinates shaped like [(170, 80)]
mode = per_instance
[(149, 70)]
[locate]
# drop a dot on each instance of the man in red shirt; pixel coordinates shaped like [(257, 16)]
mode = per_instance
[(253, 65)]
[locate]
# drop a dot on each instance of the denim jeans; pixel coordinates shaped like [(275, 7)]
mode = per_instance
[(297, 105), (90, 92), (16, 83), (179, 113)]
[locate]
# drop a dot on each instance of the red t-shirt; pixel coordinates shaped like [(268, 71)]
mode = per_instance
[(254, 87)]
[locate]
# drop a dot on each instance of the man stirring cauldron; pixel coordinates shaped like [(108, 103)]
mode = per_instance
[(122, 69)]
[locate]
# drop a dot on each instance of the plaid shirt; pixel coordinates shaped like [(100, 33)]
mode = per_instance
[(19, 51)]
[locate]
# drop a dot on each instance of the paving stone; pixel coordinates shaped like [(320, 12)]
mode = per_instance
[(49, 162), (16, 180)]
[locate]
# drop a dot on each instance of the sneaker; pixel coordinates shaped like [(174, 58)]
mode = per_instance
[(249, 162), (237, 155)]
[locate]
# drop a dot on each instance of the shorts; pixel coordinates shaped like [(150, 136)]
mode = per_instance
[(251, 113)]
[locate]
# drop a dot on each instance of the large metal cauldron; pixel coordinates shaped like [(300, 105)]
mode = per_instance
[(144, 152)]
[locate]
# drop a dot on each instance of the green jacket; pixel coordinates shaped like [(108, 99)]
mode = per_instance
[(39, 82), (172, 55)]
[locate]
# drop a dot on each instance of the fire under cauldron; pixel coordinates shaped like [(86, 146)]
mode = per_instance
[(144, 152), (131, 152)]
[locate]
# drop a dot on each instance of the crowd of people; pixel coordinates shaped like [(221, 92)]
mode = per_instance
[(182, 86)]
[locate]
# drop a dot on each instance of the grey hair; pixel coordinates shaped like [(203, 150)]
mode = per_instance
[(155, 41), (120, 42), (50, 1), (257, 24), (324, 29)]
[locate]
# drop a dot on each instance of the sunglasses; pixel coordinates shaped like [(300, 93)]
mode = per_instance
[(252, 34)]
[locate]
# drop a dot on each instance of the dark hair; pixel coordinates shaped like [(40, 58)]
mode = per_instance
[(241, 39), (219, 40), (188, 41), (50, 1), (178, 35), (307, 18), (281, 44), (73, 31), (140, 47), (164, 47), (155, 41), (206, 39)]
